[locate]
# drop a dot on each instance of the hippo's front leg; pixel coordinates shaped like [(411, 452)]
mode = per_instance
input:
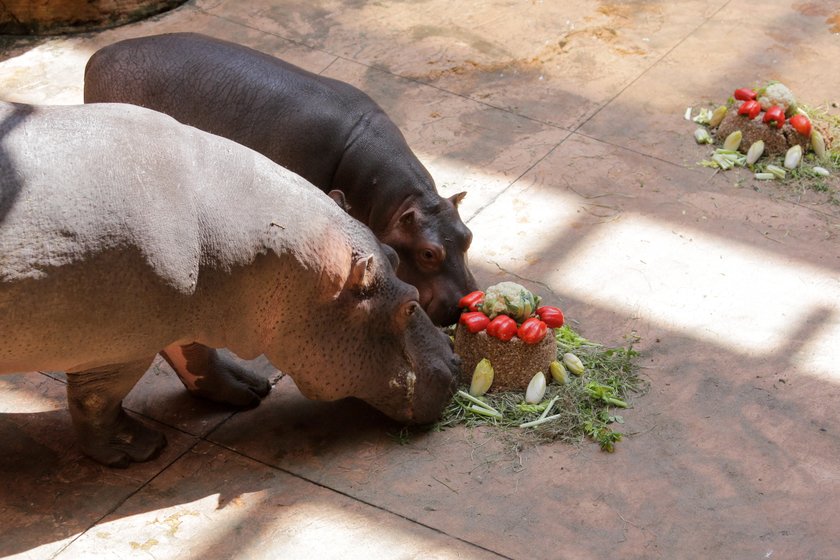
[(208, 374), (106, 433)]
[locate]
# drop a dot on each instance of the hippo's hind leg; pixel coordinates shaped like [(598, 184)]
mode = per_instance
[(106, 432), (207, 373)]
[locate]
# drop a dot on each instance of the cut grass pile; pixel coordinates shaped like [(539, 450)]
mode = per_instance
[(582, 407), (803, 178)]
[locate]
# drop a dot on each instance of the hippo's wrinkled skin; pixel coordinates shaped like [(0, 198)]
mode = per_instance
[(325, 130), (122, 232)]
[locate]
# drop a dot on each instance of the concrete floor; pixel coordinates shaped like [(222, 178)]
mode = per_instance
[(564, 122)]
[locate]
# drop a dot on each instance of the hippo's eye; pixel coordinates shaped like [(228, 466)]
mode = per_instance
[(410, 308), (431, 256)]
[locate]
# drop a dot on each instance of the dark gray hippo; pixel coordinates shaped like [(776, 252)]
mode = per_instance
[(325, 130), (123, 232)]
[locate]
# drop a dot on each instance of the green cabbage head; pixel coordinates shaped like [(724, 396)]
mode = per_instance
[(509, 298)]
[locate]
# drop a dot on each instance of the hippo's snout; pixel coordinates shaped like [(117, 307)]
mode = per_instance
[(432, 393), (419, 394), (441, 301), (444, 311), (437, 373), (447, 291)]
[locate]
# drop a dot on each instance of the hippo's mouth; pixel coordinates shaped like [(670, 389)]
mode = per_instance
[(441, 312), (431, 391), (418, 396), (404, 383)]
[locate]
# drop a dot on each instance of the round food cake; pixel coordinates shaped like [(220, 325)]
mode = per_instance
[(776, 140), (772, 115), (514, 362), (507, 326)]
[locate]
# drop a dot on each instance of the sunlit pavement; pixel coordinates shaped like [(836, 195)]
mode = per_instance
[(564, 122)]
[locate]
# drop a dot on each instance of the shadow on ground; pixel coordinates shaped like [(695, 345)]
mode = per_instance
[(737, 439)]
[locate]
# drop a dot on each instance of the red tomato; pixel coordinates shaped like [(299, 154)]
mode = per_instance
[(502, 327), (801, 124), (750, 108), (532, 331), (475, 321), (775, 114), (744, 94), (471, 300), (551, 316)]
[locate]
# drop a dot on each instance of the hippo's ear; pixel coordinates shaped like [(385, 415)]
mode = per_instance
[(408, 219), (457, 198), (391, 254), (339, 198), (361, 273)]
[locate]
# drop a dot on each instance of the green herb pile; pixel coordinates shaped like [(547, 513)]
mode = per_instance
[(815, 168), (584, 407), (807, 177)]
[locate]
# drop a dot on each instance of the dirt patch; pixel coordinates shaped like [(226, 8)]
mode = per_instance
[(813, 9), (41, 17), (820, 9), (627, 11), (834, 22), (609, 33)]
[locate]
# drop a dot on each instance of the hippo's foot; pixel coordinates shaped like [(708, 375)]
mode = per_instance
[(227, 382), (106, 433), (208, 374), (126, 441)]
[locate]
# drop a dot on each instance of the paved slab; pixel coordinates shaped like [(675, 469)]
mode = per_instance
[(216, 504), (51, 492), (564, 123)]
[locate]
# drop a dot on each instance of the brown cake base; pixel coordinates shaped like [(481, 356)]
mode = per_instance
[(514, 362), (776, 140)]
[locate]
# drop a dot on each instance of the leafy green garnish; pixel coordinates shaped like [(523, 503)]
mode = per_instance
[(583, 404)]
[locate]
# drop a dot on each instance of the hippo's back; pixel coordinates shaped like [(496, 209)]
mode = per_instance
[(92, 175), (82, 180), (296, 118), (110, 216)]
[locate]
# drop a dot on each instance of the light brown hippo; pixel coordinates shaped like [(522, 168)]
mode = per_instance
[(123, 232)]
